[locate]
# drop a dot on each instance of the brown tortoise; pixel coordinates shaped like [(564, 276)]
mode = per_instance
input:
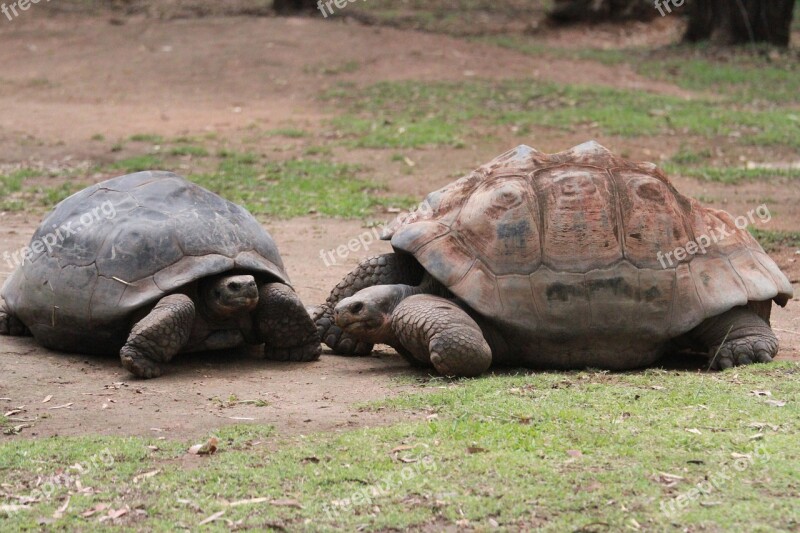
[(560, 260)]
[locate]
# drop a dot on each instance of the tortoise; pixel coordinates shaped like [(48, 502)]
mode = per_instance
[(148, 265), (569, 260)]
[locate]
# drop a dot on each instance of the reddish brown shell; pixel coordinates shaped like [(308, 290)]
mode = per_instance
[(579, 240)]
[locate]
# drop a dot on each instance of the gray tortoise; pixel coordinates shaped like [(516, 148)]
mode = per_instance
[(148, 265), (568, 260)]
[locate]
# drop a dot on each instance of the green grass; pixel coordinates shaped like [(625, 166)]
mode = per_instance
[(730, 175), (740, 75), (147, 138), (296, 187), (744, 76), (776, 240), (137, 163), (50, 196), (552, 451), (292, 133), (195, 151), (10, 184), (413, 114)]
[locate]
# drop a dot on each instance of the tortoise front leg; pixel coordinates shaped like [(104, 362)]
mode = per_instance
[(386, 269), (736, 337), (437, 330), (11, 325), (159, 336), (283, 324)]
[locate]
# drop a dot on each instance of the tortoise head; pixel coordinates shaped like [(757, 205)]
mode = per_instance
[(367, 315), (230, 294)]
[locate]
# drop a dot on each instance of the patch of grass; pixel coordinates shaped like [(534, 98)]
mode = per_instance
[(318, 150), (412, 114), (195, 151), (744, 76), (10, 185), (50, 196), (687, 156), (730, 175), (147, 138), (98, 137), (776, 240), (186, 139), (138, 163), (294, 188), (558, 451), (292, 133)]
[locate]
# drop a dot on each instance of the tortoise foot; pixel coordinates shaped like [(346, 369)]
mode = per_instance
[(744, 351)]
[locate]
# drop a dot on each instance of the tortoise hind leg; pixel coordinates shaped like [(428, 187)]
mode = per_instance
[(386, 269), (11, 325), (737, 337), (159, 336), (283, 324)]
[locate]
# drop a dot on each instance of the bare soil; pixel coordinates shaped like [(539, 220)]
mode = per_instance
[(66, 78)]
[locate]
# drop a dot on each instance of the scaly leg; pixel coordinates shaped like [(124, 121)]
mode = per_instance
[(159, 336), (283, 323), (437, 330), (11, 325), (736, 337)]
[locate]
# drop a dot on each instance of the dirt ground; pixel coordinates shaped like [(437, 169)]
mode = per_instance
[(67, 78)]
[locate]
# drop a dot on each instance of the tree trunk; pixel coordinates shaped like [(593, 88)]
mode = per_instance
[(286, 7), (730, 22), (567, 11)]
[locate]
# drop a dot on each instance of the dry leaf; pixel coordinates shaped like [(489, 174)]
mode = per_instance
[(401, 448), (211, 518), (205, 449), (694, 430), (47, 398), (94, 510), (286, 502), (61, 406), (146, 475), (11, 508), (248, 502), (760, 393), (574, 453), (14, 430), (476, 449), (59, 513), (775, 403)]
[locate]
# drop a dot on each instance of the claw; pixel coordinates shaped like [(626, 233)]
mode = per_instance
[(724, 363)]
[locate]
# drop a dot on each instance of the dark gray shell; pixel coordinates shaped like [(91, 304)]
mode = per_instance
[(133, 239), (573, 242)]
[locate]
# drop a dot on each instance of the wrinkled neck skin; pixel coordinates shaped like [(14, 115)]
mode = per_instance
[(386, 334)]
